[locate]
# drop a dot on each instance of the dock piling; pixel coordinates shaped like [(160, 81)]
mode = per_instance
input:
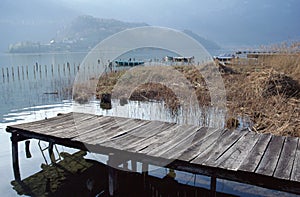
[(15, 156)]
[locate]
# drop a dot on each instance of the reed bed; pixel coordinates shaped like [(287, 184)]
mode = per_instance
[(266, 90)]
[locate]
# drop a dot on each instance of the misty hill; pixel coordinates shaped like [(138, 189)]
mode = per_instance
[(31, 20), (84, 32), (87, 31), (208, 44)]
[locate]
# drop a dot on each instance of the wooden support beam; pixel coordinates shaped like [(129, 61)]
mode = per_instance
[(27, 149), (133, 165), (213, 186), (145, 173), (15, 156), (51, 153), (112, 175)]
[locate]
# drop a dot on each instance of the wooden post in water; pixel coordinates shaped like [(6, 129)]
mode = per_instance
[(213, 186), (133, 166), (7, 73), (18, 73), (74, 68), (51, 153), (23, 72), (40, 67), (145, 173), (112, 175), (27, 71), (46, 70), (64, 69), (34, 72), (68, 67), (58, 70), (15, 156), (12, 73), (52, 69), (3, 73)]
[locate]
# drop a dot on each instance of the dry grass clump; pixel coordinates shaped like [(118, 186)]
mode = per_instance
[(288, 64), (269, 98), (157, 92), (193, 75), (271, 83), (107, 82)]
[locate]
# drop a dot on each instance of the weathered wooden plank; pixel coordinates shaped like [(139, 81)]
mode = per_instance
[(56, 126), (252, 160), (95, 131), (86, 129), (163, 136), (42, 123), (69, 129), (182, 132), (295, 175), (234, 156), (270, 158), (223, 143), (148, 139), (111, 132), (191, 147), (286, 160), (136, 135)]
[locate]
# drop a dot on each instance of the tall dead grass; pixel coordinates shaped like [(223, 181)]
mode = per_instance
[(265, 90)]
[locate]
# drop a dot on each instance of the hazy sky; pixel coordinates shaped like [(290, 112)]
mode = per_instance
[(228, 22)]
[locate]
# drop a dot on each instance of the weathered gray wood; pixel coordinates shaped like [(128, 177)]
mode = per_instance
[(62, 126), (295, 175), (286, 160), (198, 146), (213, 152), (234, 156), (112, 132), (41, 123), (177, 151), (98, 126), (177, 135), (269, 161), (162, 136), (252, 160), (136, 135)]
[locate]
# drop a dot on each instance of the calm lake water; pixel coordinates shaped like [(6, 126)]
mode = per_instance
[(34, 87)]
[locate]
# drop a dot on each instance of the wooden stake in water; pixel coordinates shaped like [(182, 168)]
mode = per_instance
[(7, 73), (18, 73), (12, 73), (69, 69), (27, 71), (64, 69), (46, 71), (23, 73), (40, 67), (34, 72)]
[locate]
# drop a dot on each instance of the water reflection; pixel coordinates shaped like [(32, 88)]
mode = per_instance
[(200, 116)]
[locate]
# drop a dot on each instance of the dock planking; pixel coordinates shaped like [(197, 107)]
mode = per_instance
[(236, 155)]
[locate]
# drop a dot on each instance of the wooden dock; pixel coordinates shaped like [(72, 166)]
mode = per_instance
[(243, 156)]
